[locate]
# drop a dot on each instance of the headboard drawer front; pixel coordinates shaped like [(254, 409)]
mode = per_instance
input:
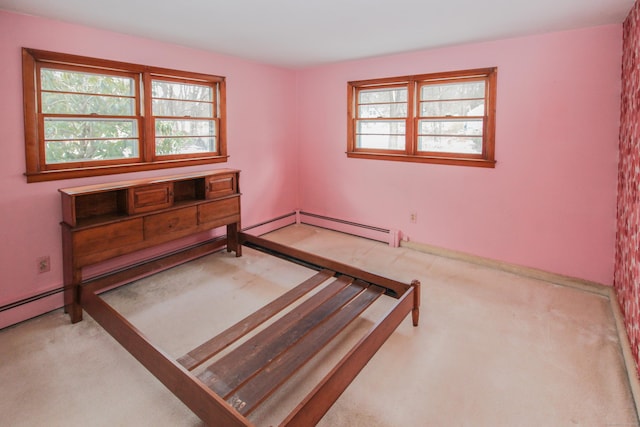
[(174, 221), (99, 243), (219, 212)]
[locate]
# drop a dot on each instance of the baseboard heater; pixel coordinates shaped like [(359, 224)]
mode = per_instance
[(30, 299), (361, 230)]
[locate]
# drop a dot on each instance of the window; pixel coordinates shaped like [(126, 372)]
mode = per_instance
[(87, 116), (446, 118)]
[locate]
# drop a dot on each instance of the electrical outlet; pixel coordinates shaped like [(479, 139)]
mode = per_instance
[(44, 264), (413, 218)]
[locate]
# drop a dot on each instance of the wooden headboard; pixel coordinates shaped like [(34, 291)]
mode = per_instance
[(105, 221)]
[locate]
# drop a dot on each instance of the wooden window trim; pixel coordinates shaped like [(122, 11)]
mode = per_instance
[(37, 170), (411, 154)]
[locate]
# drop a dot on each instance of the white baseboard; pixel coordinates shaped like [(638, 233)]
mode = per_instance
[(520, 270)]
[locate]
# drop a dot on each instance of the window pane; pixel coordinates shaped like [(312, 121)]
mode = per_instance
[(181, 91), (90, 150), (81, 82), (167, 146), (185, 127), (451, 127), (458, 90), (66, 103), (473, 107), (162, 107), (381, 142), (448, 144), (369, 111), (61, 129), (381, 127), (381, 134), (185, 136), (380, 96)]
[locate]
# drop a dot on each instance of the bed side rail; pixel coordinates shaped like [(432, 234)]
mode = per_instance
[(393, 288)]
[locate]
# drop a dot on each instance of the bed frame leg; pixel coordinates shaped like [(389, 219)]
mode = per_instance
[(415, 313), (233, 239)]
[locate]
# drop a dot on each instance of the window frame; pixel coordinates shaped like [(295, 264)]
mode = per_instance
[(36, 167), (411, 153)]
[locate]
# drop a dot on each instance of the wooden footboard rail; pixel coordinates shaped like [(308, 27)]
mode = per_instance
[(226, 391)]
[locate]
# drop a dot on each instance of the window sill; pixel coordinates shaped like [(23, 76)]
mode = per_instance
[(482, 163), (53, 175)]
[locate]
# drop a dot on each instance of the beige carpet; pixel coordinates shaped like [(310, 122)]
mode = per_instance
[(492, 349)]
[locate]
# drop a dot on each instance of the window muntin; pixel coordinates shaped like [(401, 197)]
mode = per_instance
[(439, 118), (87, 116)]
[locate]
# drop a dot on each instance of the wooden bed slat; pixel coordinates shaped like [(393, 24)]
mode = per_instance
[(246, 360), (207, 350), (318, 402), (257, 389)]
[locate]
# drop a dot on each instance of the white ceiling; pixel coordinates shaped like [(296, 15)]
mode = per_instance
[(303, 33)]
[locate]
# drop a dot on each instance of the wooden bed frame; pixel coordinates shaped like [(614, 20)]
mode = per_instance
[(233, 385)]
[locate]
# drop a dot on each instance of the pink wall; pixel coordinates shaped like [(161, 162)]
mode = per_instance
[(261, 134), (627, 266), (550, 203)]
